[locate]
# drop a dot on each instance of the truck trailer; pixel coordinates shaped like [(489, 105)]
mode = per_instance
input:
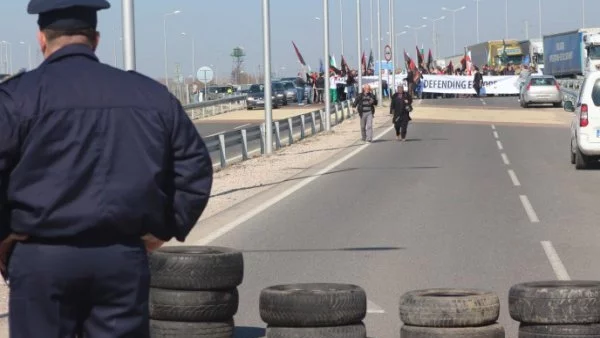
[(492, 53), (572, 54), (534, 48)]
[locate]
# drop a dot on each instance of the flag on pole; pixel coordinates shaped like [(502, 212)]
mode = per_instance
[(429, 60), (345, 68), (419, 57), (363, 63), (321, 66), (300, 58), (371, 63)]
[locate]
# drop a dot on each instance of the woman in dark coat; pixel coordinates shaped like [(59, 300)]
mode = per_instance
[(399, 108)]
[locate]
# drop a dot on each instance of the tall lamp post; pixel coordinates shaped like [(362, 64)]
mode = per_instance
[(477, 17), (29, 62), (6, 49), (184, 34), (416, 29), (434, 39), (396, 42), (454, 11), (165, 51)]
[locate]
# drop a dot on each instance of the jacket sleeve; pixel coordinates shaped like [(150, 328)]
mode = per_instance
[(9, 149), (392, 104), (192, 173), (356, 100)]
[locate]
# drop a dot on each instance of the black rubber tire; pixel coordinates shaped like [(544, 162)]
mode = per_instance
[(193, 306), (582, 161), (196, 268), (490, 331), (313, 305), (559, 331), (573, 156), (555, 302), (347, 331), (163, 329), (449, 308), (558, 105)]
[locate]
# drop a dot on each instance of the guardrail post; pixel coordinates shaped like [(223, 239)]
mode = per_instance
[(222, 152), (313, 123), (244, 145), (277, 136), (337, 109), (302, 127), (321, 123), (290, 131), (262, 138)]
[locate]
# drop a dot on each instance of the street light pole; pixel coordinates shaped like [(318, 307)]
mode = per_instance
[(506, 20), (359, 40), (540, 16), (393, 47), (582, 13), (454, 11), (397, 44), (416, 29), (165, 47), (184, 34), (326, 56), (128, 35), (371, 20), (379, 79), (268, 93), (434, 39), (477, 10), (341, 29)]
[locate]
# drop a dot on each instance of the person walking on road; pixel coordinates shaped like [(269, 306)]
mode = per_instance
[(399, 108), (98, 167), (365, 105), (477, 81)]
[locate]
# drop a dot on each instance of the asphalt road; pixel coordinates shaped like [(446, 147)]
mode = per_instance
[(471, 206), (475, 102)]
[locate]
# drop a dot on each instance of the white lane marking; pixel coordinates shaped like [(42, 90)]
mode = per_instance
[(482, 101), (221, 132), (555, 262), (533, 218), (373, 308), (499, 145), (514, 178), (505, 159), (236, 158), (247, 216), (493, 127), (242, 126), (496, 136)]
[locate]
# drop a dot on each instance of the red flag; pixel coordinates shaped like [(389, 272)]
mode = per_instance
[(429, 60), (419, 57), (363, 63), (300, 58)]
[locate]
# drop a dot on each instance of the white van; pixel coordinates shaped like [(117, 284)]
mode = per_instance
[(585, 127)]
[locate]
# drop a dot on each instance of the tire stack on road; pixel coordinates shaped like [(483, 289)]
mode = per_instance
[(450, 313), (314, 311), (194, 291), (564, 309)]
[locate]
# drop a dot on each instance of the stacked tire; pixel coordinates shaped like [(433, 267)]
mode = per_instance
[(314, 311), (563, 309), (450, 313), (194, 292)]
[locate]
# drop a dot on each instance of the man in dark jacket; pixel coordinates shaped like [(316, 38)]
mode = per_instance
[(98, 167), (399, 108), (365, 104), (477, 81)]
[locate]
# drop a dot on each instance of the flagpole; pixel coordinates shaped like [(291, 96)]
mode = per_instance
[(267, 61), (380, 90), (359, 38), (341, 26), (371, 20), (326, 52)]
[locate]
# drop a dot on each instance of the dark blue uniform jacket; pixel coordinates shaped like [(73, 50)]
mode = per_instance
[(87, 150)]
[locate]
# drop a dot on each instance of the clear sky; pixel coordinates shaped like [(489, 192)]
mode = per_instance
[(220, 25)]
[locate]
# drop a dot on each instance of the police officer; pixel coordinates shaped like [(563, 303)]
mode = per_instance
[(97, 167)]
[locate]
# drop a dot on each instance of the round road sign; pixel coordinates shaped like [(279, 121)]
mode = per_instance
[(205, 74), (387, 51)]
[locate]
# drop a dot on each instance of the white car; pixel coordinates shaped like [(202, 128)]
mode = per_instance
[(585, 127)]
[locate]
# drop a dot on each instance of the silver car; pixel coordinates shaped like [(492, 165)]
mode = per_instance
[(539, 89)]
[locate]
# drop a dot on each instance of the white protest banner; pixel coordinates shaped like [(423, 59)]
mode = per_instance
[(450, 84)]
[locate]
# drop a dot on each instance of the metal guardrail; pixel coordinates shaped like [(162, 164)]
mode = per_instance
[(295, 128), (215, 107), (570, 88)]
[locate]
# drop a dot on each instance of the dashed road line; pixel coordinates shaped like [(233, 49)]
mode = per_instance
[(493, 127), (505, 159), (557, 265), (483, 101), (514, 178), (533, 218), (500, 146), (242, 126), (496, 136), (373, 308)]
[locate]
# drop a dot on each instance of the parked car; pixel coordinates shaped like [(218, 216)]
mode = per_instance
[(290, 91), (219, 92), (540, 89), (585, 126), (256, 97), (279, 92)]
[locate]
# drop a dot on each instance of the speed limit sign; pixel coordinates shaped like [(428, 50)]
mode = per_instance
[(388, 53)]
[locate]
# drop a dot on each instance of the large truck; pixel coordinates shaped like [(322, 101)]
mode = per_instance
[(572, 54), (534, 48), (496, 53)]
